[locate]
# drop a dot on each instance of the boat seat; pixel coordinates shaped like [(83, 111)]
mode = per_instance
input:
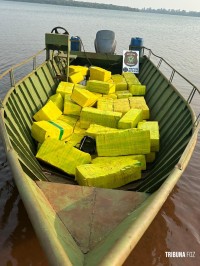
[(58, 42)]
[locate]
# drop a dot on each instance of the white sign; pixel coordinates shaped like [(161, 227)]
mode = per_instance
[(130, 61)]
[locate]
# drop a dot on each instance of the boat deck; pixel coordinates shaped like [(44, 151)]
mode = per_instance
[(89, 213)]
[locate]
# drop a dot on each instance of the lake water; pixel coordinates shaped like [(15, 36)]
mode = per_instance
[(176, 38)]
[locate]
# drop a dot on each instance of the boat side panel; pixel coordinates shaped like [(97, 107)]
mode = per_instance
[(175, 119), (21, 103)]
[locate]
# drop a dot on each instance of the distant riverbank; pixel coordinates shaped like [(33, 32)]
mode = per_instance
[(178, 12), (80, 4)]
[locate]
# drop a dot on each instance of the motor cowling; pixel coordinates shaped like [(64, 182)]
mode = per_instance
[(105, 42)]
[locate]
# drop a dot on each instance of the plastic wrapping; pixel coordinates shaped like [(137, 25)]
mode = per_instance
[(67, 157), (123, 142), (106, 175), (48, 112)]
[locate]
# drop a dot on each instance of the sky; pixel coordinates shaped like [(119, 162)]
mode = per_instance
[(188, 5)]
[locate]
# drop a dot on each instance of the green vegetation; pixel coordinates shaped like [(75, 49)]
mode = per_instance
[(171, 12), (113, 7), (79, 4)]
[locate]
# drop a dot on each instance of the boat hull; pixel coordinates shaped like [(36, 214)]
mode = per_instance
[(178, 133)]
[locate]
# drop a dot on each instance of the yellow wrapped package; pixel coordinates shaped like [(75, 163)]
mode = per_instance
[(83, 97), (123, 94), (90, 115), (131, 78), (105, 104), (117, 78), (106, 175), (98, 73), (69, 119), (76, 77), (121, 105), (153, 127), (121, 86), (67, 157), (123, 142), (130, 119), (110, 96), (121, 160), (70, 107), (57, 99), (138, 102), (100, 86), (82, 69), (48, 112), (120, 82), (95, 130), (65, 88), (137, 89), (50, 129)]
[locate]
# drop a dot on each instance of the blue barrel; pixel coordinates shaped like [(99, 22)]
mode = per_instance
[(135, 44), (75, 43)]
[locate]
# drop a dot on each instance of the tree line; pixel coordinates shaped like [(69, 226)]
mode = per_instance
[(113, 7)]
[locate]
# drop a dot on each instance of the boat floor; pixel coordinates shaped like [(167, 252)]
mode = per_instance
[(89, 213)]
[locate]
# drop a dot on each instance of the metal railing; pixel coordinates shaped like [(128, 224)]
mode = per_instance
[(194, 91), (11, 70)]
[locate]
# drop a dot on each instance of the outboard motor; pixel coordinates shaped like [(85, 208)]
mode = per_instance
[(105, 42)]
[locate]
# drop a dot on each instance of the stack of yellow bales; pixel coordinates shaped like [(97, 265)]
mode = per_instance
[(138, 102), (83, 97), (67, 159), (57, 129), (70, 107), (120, 82), (71, 120), (130, 119), (123, 142), (100, 86), (153, 127), (82, 69), (134, 86), (77, 73), (123, 94), (95, 130), (91, 115), (48, 125), (107, 110), (98, 73), (121, 159), (121, 105), (65, 88), (57, 99), (110, 96), (108, 175), (48, 112), (105, 104)]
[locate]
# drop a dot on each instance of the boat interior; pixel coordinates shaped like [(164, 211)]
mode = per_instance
[(70, 201)]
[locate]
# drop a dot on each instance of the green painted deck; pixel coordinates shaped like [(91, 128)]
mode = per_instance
[(90, 214)]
